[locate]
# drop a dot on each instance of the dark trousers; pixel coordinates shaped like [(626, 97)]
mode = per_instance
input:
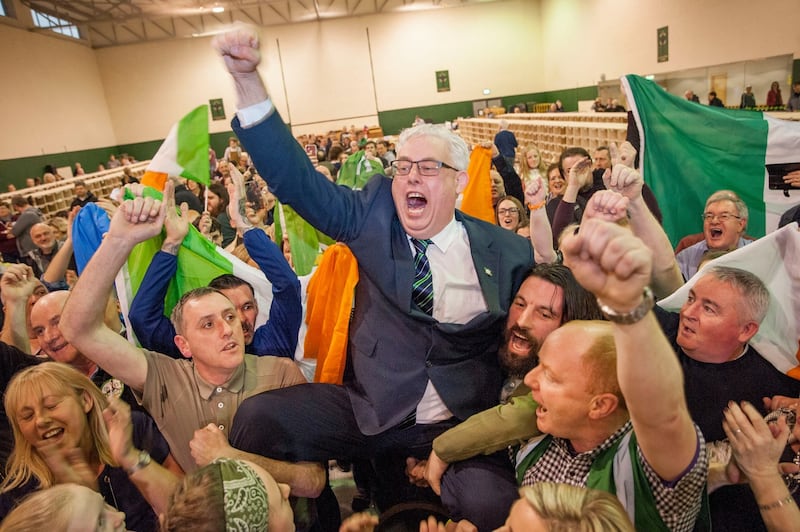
[(315, 422), (480, 489)]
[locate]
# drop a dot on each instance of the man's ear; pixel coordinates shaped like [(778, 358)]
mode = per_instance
[(603, 405), (747, 331), (462, 178), (183, 346)]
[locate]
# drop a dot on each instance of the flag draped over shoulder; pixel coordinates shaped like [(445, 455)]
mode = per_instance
[(199, 261), (688, 151), (183, 153), (477, 196), (773, 259)]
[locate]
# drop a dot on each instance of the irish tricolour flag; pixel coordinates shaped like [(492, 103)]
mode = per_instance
[(183, 153), (690, 150)]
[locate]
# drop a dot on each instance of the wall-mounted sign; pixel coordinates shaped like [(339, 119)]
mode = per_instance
[(217, 109), (442, 80), (663, 44)]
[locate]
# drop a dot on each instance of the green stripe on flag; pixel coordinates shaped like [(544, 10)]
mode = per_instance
[(690, 151), (193, 145)]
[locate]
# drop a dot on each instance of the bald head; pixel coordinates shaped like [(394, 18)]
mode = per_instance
[(43, 237)]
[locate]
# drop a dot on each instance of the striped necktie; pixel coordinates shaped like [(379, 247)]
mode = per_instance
[(422, 290)]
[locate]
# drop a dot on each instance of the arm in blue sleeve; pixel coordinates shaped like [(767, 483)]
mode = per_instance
[(154, 330), (511, 180), (278, 336)]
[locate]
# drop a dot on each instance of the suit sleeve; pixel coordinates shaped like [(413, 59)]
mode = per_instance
[(279, 335), (337, 211), (154, 330), (489, 431)]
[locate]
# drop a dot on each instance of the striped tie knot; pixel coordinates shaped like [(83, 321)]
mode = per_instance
[(422, 289)]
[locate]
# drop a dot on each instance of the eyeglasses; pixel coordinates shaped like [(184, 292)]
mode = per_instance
[(510, 210), (722, 217), (425, 167)]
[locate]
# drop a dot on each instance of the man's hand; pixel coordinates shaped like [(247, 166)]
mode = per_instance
[(622, 178), (580, 174), (139, 219), (627, 154), (120, 433), (17, 283), (208, 444), (70, 219), (610, 262), (434, 470), (606, 205), (792, 178), (535, 191), (359, 522), (239, 49), (176, 223), (68, 466), (756, 447), (237, 207), (415, 471)]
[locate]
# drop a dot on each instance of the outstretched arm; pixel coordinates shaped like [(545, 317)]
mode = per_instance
[(541, 233), (279, 335), (82, 320), (626, 181), (152, 328), (616, 266), (305, 478), (240, 51)]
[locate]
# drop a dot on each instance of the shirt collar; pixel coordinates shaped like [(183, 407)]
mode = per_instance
[(443, 238), (232, 385), (592, 454)]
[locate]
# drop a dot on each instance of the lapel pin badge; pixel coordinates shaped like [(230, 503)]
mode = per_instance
[(487, 271)]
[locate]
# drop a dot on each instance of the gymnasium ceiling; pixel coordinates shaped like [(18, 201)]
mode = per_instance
[(106, 23)]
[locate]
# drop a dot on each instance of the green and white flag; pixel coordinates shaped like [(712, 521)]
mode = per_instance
[(688, 151)]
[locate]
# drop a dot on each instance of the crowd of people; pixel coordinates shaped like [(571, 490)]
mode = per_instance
[(515, 375)]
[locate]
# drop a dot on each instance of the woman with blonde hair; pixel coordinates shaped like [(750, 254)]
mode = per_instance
[(531, 164), (553, 507), (55, 410)]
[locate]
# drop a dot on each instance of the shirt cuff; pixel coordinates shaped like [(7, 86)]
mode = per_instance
[(252, 114)]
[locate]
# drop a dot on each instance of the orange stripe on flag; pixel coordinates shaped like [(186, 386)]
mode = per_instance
[(157, 180), (477, 200)]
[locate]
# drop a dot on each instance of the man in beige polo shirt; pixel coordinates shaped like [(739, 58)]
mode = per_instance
[(192, 400)]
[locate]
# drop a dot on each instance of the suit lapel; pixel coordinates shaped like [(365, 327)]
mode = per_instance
[(486, 259)]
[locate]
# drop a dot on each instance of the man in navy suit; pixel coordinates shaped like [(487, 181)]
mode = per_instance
[(411, 374)]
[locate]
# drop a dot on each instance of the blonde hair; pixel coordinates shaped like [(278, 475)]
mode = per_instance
[(25, 462), (524, 169), (568, 508), (197, 502), (44, 509)]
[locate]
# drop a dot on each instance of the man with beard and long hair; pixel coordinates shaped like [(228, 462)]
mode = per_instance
[(549, 297)]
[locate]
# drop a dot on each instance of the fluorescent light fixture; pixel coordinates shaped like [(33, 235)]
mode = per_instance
[(487, 92), (651, 77), (217, 9)]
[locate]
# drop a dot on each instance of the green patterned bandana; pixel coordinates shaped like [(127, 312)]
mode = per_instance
[(245, 496)]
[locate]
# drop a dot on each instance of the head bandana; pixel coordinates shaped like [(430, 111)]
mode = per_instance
[(245, 497)]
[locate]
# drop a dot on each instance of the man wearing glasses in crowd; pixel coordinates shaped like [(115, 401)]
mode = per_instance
[(724, 222), (430, 305)]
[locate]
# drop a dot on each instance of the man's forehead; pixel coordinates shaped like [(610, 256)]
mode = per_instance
[(238, 293), (48, 306), (536, 288)]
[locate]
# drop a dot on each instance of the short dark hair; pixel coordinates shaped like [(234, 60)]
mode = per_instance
[(712, 93), (571, 152), (19, 201), (579, 303), (227, 281), (176, 317), (79, 183)]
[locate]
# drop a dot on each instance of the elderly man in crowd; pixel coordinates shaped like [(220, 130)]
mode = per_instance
[(724, 222), (433, 292)]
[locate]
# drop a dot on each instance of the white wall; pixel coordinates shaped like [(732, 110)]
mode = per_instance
[(135, 93), (52, 94)]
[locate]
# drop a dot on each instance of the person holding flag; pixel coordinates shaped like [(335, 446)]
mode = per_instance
[(278, 336)]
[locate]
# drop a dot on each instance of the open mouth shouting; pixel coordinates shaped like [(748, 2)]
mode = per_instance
[(52, 434), (415, 202)]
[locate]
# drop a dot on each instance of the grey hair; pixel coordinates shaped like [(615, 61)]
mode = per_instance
[(729, 195), (754, 294), (456, 147)]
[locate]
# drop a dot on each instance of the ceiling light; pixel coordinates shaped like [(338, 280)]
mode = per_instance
[(217, 9)]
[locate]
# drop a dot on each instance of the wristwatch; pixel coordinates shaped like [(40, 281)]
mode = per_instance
[(143, 461), (628, 318)]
